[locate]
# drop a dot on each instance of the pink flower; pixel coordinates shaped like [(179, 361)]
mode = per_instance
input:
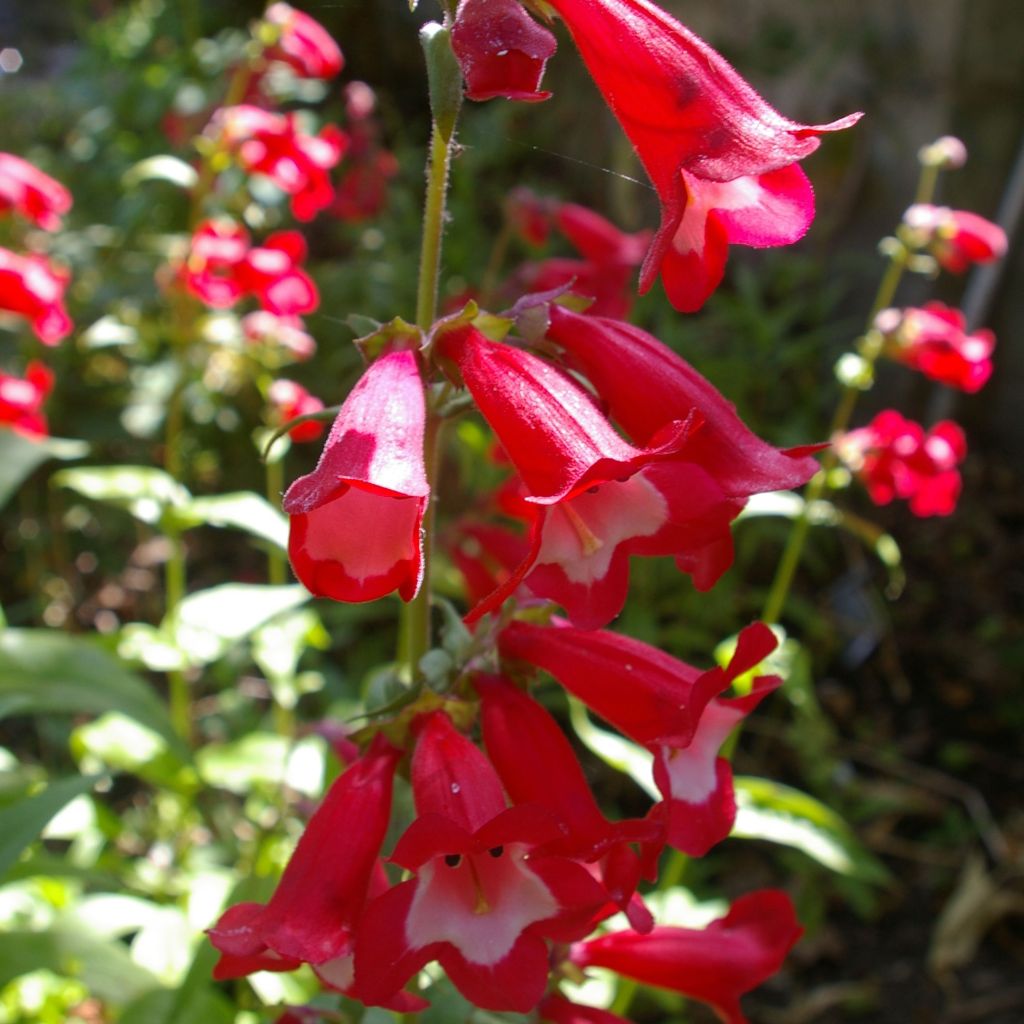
[(287, 333), (291, 400), (956, 238), (591, 498), (715, 965), (22, 398), (724, 163), (933, 341), (32, 287), (672, 708), (501, 50), (312, 915), (303, 43), (896, 458), (273, 145), (356, 520), (483, 900), (26, 190)]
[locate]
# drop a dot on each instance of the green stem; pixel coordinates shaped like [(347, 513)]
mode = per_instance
[(414, 627), (870, 352), (277, 572)]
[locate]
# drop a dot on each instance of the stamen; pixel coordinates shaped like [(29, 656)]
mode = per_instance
[(482, 906), (589, 542)]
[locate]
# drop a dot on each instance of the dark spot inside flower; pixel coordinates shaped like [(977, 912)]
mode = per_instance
[(496, 851), (594, 489), (453, 859)]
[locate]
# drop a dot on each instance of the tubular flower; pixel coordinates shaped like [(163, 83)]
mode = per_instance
[(934, 341), (273, 145), (721, 159), (664, 704), (222, 266), (32, 287), (552, 777), (715, 965), (312, 914), (362, 191), (609, 257), (282, 334), (592, 499), (482, 900), (27, 191), (556, 1009), (956, 238), (356, 520), (303, 43), (22, 398), (501, 50), (289, 401), (896, 458)]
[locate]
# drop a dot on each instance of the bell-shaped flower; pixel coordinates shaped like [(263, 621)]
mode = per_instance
[(356, 520), (482, 902), (33, 288), (22, 399), (721, 158), (934, 341), (312, 915), (501, 50), (303, 43), (551, 776), (714, 965), (956, 238), (27, 191), (290, 400), (672, 708), (593, 499), (897, 458)]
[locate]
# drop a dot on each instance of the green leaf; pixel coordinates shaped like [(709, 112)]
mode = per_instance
[(143, 491), (103, 966), (242, 510), (43, 671), (20, 457), (22, 821), (117, 742), (264, 759), (616, 751), (769, 810), (207, 623), (161, 168)]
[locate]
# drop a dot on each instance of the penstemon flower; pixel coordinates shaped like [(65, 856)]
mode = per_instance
[(289, 401), (27, 191), (956, 238), (22, 398), (356, 519), (32, 287), (303, 43)]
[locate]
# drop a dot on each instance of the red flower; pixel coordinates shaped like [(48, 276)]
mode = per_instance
[(32, 287), (222, 267), (291, 400), (530, 215), (933, 340), (356, 520), (273, 145), (715, 965), (22, 398), (25, 190), (895, 458), (312, 915), (303, 43), (956, 238), (501, 50), (552, 777), (592, 499), (609, 258), (670, 707), (556, 1009), (721, 159), (482, 900)]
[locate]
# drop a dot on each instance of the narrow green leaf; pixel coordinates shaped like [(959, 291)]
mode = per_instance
[(241, 510), (21, 456), (161, 168), (616, 751), (22, 821), (781, 814), (43, 671)]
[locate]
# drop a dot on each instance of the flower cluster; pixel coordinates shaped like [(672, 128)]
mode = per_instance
[(31, 289)]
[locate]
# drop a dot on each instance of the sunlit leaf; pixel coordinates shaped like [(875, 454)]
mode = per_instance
[(161, 168), (43, 671), (242, 510), (780, 814), (144, 491), (22, 821), (265, 759)]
